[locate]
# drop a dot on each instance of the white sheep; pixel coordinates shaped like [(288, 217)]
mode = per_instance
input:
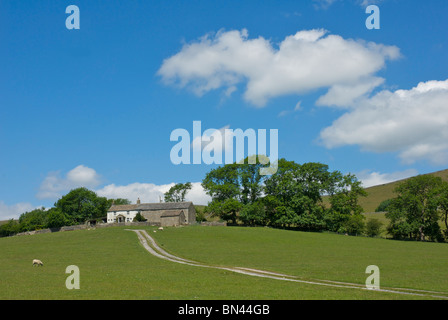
[(37, 262), (160, 228)]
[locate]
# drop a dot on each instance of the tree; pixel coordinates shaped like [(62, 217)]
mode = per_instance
[(177, 192), (251, 182), (443, 204), (373, 227), (384, 205), (10, 228), (82, 204), (222, 183), (226, 209), (56, 218), (344, 202), (253, 214), (414, 212), (294, 194), (355, 224), (139, 217), (34, 219)]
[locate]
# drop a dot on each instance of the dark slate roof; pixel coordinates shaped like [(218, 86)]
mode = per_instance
[(171, 213), (123, 207), (151, 206)]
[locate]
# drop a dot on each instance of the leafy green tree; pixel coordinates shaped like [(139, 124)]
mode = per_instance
[(344, 202), (384, 205), (373, 227), (10, 228), (82, 204), (33, 220), (56, 218), (200, 216), (443, 205), (295, 194), (178, 192), (414, 212), (226, 209), (139, 218), (355, 225), (253, 214), (250, 179), (222, 183)]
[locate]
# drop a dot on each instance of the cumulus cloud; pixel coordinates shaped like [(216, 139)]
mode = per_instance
[(150, 193), (14, 211), (307, 60), (54, 184), (412, 122), (213, 140), (372, 178)]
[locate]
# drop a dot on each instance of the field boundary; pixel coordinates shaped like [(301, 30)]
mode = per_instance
[(151, 246)]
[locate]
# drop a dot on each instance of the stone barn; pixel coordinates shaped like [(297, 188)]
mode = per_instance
[(164, 213)]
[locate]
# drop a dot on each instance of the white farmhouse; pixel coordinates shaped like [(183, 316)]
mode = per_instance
[(164, 214)]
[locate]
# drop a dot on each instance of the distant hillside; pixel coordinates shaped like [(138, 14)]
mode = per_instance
[(377, 194)]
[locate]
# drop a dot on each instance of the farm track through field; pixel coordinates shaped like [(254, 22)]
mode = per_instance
[(151, 246)]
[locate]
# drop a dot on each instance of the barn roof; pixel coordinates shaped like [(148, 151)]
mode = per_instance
[(123, 207), (171, 213), (151, 206)]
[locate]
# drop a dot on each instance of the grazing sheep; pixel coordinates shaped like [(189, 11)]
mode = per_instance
[(160, 228), (37, 262)]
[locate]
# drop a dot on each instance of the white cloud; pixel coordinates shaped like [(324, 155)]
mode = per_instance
[(373, 178), (147, 192), (323, 4), (150, 193), (343, 95), (14, 211), (54, 184), (213, 139), (305, 61), (412, 122), (298, 107)]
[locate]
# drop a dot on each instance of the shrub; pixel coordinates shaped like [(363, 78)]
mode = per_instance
[(373, 227), (355, 225), (384, 205), (139, 218)]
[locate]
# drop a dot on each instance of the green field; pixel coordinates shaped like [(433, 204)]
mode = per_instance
[(114, 265)]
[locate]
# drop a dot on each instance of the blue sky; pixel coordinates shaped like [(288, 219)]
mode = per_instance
[(95, 107)]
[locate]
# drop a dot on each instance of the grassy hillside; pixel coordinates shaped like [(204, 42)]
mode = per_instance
[(114, 265), (377, 194)]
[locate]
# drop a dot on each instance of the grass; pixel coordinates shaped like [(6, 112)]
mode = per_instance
[(377, 194), (114, 265), (315, 255)]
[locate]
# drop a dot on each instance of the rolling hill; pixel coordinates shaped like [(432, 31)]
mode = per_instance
[(379, 193)]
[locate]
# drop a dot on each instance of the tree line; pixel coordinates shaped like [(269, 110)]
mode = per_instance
[(76, 207), (305, 196), (291, 198), (419, 209), (311, 197)]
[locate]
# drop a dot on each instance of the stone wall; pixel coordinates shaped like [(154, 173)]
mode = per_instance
[(213, 223), (85, 226), (105, 225)]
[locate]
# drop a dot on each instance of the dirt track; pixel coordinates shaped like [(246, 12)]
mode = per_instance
[(151, 246)]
